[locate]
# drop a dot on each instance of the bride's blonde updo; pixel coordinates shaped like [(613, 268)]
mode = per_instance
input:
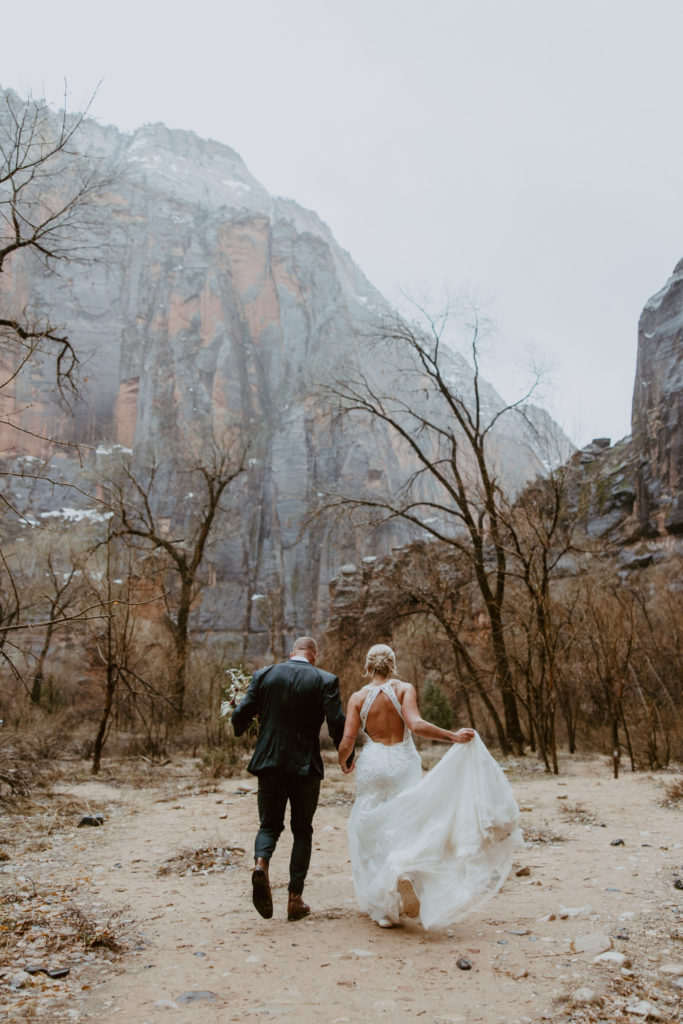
[(380, 661)]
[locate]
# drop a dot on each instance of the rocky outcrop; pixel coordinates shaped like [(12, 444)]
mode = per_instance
[(209, 303), (657, 415)]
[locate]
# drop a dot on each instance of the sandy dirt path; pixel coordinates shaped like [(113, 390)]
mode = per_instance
[(198, 952)]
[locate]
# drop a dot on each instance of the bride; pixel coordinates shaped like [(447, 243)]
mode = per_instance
[(432, 848)]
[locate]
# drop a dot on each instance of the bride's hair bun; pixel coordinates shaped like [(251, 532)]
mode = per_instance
[(380, 661)]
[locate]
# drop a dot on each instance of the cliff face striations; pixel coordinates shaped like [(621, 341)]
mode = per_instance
[(657, 416), (208, 302)]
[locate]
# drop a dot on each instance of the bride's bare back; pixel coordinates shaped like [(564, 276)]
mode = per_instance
[(384, 724)]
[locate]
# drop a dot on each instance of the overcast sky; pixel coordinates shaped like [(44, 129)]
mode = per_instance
[(527, 151)]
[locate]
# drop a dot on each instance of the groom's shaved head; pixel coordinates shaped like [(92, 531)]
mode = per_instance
[(305, 645)]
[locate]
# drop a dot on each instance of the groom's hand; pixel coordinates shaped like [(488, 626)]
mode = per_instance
[(350, 763)]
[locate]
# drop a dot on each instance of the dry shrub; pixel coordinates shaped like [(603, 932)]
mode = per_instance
[(94, 934), (30, 749), (23, 766), (226, 760), (673, 793)]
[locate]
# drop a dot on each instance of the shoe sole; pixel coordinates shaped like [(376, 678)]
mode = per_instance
[(261, 895), (411, 904)]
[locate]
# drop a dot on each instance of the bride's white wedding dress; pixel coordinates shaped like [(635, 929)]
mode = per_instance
[(454, 831)]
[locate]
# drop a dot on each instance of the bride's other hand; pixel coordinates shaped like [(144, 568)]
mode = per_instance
[(463, 736)]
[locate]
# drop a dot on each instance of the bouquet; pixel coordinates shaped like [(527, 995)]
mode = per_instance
[(232, 692)]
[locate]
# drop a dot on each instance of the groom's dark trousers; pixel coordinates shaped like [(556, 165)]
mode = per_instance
[(291, 701)]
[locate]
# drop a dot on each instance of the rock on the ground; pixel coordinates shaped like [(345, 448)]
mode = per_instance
[(592, 943), (585, 997), (644, 1008), (566, 912), (196, 996), (672, 970), (93, 820), (612, 959), (22, 979)]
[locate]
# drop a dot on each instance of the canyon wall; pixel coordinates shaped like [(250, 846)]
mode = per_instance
[(206, 303), (657, 416)]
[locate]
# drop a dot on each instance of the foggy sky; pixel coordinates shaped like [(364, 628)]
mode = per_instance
[(529, 152)]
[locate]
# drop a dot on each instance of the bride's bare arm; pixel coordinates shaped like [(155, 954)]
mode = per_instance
[(350, 732), (417, 724)]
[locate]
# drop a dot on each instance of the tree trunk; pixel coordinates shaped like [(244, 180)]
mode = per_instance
[(112, 680), (37, 687), (615, 746), (181, 636)]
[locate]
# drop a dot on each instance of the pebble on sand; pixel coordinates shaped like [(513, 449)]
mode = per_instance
[(585, 997), (644, 1008), (196, 996), (592, 944), (91, 819), (672, 970), (612, 959)]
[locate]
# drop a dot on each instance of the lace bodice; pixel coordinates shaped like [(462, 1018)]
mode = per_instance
[(373, 693)]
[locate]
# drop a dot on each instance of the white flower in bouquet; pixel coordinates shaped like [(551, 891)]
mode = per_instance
[(234, 690)]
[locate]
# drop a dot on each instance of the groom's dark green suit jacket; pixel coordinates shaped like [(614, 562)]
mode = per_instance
[(291, 700)]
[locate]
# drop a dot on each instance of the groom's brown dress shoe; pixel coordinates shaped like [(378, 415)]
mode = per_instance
[(261, 895), (296, 908)]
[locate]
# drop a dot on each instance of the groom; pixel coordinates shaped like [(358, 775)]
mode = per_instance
[(291, 699)]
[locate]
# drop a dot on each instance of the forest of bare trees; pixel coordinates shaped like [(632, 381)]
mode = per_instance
[(506, 604)]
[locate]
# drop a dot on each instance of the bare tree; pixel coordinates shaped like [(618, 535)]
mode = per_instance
[(121, 650), (137, 497), (447, 424), (47, 187), (46, 184), (609, 635), (58, 594), (540, 536)]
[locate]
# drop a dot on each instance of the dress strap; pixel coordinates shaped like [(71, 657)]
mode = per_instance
[(372, 694), (367, 704), (391, 694)]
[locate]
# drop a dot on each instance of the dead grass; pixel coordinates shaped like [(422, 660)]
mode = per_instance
[(542, 835), (579, 814), (36, 924), (94, 934), (673, 793), (204, 859)]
